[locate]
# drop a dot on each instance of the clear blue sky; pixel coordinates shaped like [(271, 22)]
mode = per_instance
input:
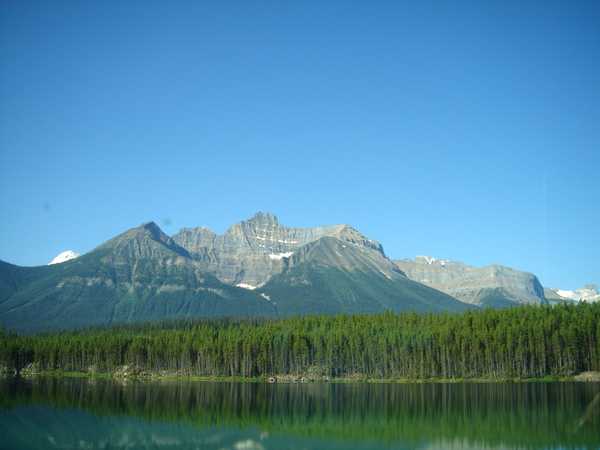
[(463, 130)]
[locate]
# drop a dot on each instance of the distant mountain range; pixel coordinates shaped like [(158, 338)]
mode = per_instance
[(491, 286), (256, 268), (588, 293)]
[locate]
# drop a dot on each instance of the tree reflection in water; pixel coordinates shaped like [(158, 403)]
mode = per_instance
[(494, 415)]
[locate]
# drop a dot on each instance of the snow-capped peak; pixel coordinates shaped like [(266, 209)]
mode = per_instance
[(588, 293), (64, 256)]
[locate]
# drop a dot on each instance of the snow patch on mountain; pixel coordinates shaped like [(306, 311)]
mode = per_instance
[(430, 260), (280, 255), (64, 256), (588, 293)]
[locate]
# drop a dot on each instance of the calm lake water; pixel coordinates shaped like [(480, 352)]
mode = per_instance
[(82, 413)]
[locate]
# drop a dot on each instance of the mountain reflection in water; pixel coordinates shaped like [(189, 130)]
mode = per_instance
[(108, 413)]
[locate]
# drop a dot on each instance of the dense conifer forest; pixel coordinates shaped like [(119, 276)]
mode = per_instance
[(517, 342)]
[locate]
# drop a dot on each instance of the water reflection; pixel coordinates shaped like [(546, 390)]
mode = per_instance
[(591, 413), (105, 413)]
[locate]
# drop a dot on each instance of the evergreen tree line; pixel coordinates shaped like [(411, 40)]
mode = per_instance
[(521, 342)]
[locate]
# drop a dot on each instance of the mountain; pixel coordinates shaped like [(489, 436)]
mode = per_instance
[(139, 275), (250, 252), (495, 286), (64, 256), (588, 293), (335, 275), (329, 269), (258, 267)]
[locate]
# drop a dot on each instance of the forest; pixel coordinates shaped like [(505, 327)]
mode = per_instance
[(519, 342)]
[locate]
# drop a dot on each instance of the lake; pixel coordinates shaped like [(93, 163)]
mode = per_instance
[(94, 413)]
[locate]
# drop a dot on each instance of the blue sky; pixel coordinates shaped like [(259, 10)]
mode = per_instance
[(463, 130)]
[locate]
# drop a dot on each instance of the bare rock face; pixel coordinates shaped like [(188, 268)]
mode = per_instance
[(252, 251), (494, 285)]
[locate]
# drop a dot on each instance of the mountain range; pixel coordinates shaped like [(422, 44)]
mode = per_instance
[(491, 286), (588, 293), (256, 268)]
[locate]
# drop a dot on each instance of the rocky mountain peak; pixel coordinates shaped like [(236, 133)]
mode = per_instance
[(142, 242), (152, 230), (347, 233), (264, 217), (250, 252)]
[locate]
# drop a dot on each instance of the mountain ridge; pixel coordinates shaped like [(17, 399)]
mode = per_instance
[(258, 267), (252, 251), (334, 274), (138, 275), (494, 285)]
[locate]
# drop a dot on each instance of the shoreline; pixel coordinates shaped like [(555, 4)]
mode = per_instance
[(293, 379)]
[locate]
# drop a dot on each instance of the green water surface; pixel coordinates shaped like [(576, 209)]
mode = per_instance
[(73, 413)]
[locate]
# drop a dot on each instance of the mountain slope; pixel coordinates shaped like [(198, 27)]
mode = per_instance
[(306, 271), (143, 274), (333, 275), (496, 286), (250, 252), (139, 275)]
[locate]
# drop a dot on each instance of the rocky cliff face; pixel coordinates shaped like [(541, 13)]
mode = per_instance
[(494, 285), (252, 251)]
